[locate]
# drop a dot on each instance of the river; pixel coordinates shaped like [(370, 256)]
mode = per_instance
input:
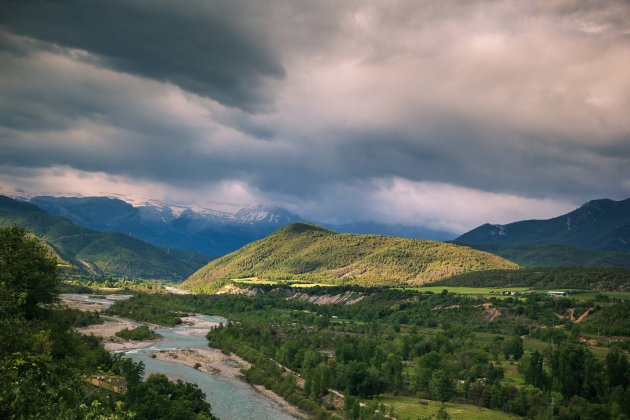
[(231, 399)]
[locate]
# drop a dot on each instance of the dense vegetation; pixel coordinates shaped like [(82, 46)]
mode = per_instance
[(557, 256), (89, 252), (599, 225), (95, 284), (311, 253), (139, 333), (48, 371), (520, 355), (598, 279)]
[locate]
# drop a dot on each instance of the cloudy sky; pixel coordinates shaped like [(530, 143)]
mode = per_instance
[(444, 114)]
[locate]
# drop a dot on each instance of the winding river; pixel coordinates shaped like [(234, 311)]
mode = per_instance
[(231, 399)]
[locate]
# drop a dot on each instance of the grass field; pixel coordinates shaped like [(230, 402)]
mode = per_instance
[(408, 408), (512, 374), (469, 290), (497, 291), (581, 295), (311, 285), (254, 280)]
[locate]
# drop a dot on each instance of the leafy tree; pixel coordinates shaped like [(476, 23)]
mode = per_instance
[(568, 369), (513, 346), (617, 369), (442, 414), (139, 333), (159, 398), (28, 274), (442, 385), (533, 370)]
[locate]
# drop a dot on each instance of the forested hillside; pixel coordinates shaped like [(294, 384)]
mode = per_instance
[(598, 279), (88, 251), (556, 255), (311, 253)]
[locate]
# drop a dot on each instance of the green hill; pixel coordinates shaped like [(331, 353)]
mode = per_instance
[(108, 254), (305, 252)]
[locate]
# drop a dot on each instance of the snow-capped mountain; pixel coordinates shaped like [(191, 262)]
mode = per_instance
[(264, 214), (210, 231)]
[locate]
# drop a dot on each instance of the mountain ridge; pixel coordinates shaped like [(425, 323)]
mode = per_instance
[(602, 224), (595, 234), (93, 252), (209, 231)]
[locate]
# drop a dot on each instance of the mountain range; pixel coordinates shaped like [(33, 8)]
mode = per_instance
[(306, 252), (208, 231), (86, 251), (596, 234)]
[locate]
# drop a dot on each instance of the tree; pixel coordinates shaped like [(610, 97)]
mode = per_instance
[(159, 398), (442, 385), (442, 414), (513, 346), (534, 372), (569, 369), (617, 368), (29, 274)]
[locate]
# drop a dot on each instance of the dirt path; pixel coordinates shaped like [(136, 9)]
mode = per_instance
[(584, 315)]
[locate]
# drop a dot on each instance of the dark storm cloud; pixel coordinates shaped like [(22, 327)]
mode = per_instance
[(196, 45), (332, 108)]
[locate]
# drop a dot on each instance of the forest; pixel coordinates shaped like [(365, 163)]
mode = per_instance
[(520, 355)]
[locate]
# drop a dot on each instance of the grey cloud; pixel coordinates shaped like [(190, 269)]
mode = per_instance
[(418, 103), (195, 45)]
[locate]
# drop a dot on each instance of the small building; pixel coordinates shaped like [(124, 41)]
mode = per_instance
[(557, 294)]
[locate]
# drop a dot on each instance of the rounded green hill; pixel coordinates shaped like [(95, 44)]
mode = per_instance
[(307, 252)]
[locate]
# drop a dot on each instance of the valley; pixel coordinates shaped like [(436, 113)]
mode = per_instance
[(314, 210), (311, 323), (182, 353)]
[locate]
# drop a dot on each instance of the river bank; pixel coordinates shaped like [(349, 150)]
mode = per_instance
[(107, 333), (183, 353), (215, 362)]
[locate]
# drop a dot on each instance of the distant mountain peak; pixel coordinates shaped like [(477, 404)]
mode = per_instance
[(601, 224), (263, 213)]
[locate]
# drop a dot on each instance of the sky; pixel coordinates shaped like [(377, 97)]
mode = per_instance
[(444, 114)]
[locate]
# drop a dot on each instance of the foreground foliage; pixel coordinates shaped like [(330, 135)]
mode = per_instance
[(47, 370)]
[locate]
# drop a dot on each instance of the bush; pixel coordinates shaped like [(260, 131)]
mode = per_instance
[(139, 333)]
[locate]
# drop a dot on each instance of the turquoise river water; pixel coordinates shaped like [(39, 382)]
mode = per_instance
[(231, 399)]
